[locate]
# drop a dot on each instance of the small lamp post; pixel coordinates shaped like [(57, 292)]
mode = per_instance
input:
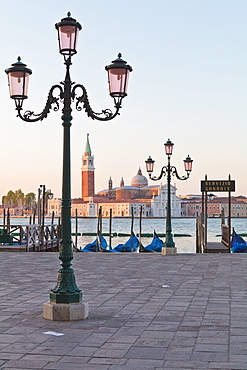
[(42, 210), (66, 298), (42, 214), (169, 245)]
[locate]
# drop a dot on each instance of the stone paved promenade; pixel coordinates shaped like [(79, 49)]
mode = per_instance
[(146, 312)]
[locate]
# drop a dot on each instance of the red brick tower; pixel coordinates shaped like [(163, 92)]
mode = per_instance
[(87, 172)]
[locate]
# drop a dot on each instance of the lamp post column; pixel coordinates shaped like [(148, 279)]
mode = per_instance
[(42, 216), (66, 290), (169, 243)]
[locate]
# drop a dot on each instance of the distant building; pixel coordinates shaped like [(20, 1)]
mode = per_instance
[(152, 200), (87, 172), (54, 206), (193, 207)]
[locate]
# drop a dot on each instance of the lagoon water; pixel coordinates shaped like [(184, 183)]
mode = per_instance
[(123, 225), (179, 226)]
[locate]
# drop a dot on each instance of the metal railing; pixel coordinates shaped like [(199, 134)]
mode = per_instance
[(34, 237)]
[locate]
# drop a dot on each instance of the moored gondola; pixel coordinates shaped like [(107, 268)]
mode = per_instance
[(154, 247), (238, 244)]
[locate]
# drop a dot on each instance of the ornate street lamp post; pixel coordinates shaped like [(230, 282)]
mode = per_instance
[(66, 294), (169, 245)]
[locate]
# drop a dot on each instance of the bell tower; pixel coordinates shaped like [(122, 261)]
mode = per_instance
[(87, 172)]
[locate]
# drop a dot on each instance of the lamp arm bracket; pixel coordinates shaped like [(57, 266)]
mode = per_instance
[(83, 98), (174, 172), (30, 116), (162, 173)]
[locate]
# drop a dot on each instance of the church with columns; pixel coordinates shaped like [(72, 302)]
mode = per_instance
[(123, 200)]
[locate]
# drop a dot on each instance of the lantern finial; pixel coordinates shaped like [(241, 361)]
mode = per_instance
[(69, 14)]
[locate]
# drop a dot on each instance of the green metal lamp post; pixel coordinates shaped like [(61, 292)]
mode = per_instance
[(66, 290), (169, 170)]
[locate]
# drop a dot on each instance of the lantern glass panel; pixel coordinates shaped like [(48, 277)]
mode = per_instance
[(188, 164), (68, 36), (18, 84), (118, 81), (149, 164), (169, 148)]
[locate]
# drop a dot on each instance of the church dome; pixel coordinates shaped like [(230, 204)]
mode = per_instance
[(139, 180)]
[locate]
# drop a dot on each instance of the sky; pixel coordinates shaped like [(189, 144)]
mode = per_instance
[(189, 84)]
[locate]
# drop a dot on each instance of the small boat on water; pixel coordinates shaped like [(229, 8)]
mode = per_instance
[(131, 245), (98, 245), (154, 247), (238, 244)]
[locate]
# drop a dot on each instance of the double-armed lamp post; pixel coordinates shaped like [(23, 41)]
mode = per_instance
[(169, 245), (66, 294)]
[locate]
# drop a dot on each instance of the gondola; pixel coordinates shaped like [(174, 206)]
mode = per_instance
[(238, 244), (98, 245), (154, 247), (131, 245)]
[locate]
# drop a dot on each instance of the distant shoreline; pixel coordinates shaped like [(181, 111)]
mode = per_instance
[(128, 217)]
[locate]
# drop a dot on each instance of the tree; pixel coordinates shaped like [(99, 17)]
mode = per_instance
[(15, 198), (29, 200), (19, 197), (9, 199)]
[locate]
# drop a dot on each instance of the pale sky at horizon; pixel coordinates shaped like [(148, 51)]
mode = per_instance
[(189, 84)]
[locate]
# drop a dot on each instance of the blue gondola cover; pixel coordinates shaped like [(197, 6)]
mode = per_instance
[(156, 245), (238, 244), (96, 244), (130, 246)]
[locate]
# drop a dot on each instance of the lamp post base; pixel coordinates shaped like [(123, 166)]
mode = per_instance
[(65, 312), (169, 251)]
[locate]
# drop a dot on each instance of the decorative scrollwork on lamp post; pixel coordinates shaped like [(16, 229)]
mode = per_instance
[(66, 290), (169, 171)]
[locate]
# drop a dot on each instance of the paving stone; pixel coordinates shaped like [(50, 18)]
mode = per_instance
[(227, 365), (110, 353), (10, 356), (107, 361), (178, 353), (238, 358), (206, 347), (75, 359), (151, 353), (61, 366), (25, 364), (83, 351), (134, 364), (96, 339), (185, 364), (181, 341), (209, 356), (19, 347), (43, 357), (153, 342), (123, 338), (116, 345)]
